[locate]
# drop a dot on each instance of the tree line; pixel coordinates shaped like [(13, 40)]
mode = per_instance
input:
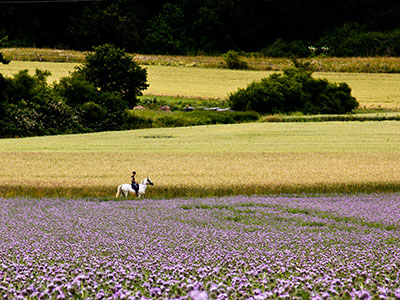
[(271, 27)]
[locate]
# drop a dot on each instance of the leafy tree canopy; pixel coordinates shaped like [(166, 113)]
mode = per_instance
[(110, 69)]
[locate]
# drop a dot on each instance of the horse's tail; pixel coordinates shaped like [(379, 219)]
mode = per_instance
[(118, 191)]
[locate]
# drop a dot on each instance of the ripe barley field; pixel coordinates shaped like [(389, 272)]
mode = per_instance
[(372, 90), (208, 160)]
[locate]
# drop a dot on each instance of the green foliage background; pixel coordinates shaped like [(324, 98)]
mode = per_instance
[(275, 28)]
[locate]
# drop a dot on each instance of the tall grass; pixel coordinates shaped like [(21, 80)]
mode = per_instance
[(44, 55), (107, 193), (255, 62)]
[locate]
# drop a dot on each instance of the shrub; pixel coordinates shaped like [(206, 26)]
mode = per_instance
[(233, 61), (93, 116), (76, 90), (98, 110), (294, 91)]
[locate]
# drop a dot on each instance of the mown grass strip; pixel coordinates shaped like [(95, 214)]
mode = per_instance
[(383, 116)]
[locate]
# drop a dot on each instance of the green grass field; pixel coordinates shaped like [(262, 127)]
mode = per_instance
[(330, 137), (208, 160), (371, 90)]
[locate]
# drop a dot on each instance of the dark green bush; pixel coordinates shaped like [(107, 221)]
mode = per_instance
[(76, 90), (97, 110), (294, 91), (93, 116), (31, 107), (233, 61)]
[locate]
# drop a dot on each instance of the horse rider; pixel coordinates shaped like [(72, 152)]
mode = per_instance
[(134, 184)]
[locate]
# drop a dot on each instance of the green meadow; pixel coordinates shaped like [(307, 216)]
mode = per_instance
[(324, 137), (372, 90)]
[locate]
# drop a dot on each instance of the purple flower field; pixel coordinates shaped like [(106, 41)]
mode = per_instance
[(293, 247)]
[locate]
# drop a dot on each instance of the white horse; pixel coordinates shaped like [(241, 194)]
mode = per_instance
[(126, 188)]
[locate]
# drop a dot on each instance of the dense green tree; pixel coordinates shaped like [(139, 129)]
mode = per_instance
[(166, 33), (103, 87), (110, 69)]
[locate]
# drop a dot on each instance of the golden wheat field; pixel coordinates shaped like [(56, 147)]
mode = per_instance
[(241, 158), (371, 90)]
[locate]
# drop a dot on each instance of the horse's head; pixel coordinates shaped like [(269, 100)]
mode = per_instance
[(148, 181)]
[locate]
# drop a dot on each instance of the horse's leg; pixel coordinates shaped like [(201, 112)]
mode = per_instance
[(118, 191)]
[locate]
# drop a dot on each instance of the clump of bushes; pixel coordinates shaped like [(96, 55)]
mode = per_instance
[(233, 61), (31, 107), (294, 91)]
